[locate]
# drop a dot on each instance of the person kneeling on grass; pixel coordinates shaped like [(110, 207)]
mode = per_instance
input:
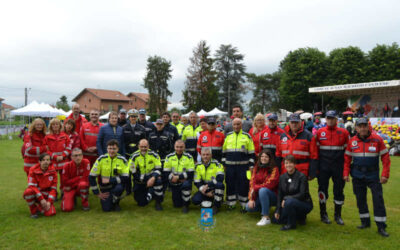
[(145, 166), (209, 179), (294, 200), (113, 171), (263, 186), (75, 177), (42, 187)]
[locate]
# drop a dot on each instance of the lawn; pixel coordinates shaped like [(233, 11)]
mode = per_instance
[(136, 227)]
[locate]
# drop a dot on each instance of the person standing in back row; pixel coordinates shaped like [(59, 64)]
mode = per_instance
[(331, 143), (362, 162), (237, 112)]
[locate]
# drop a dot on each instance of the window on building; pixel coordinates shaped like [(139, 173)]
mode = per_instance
[(110, 107), (119, 107)]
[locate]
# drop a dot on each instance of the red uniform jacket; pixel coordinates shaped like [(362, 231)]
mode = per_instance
[(57, 145), (303, 147), (43, 183), (73, 174), (261, 179), (256, 139), (331, 143), (78, 123), (33, 147), (88, 135), (270, 138), (75, 140), (365, 156), (213, 140)]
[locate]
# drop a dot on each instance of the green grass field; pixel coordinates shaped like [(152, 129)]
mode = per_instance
[(136, 227)]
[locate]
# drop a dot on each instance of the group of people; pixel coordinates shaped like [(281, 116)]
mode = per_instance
[(256, 164)]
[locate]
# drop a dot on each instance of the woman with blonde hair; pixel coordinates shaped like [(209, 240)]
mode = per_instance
[(33, 145), (255, 131), (58, 145)]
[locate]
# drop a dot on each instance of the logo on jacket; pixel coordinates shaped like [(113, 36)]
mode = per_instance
[(323, 134), (354, 143), (284, 139), (50, 178), (265, 134)]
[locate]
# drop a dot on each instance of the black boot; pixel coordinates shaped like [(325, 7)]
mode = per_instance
[(383, 232), (185, 209), (324, 215), (215, 210), (159, 206), (338, 214), (365, 223)]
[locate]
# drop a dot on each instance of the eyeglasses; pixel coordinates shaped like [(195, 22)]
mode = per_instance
[(76, 155), (133, 116)]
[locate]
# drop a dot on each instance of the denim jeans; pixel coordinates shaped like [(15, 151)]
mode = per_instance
[(295, 210), (266, 199)]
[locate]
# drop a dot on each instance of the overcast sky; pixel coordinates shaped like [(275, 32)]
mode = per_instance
[(60, 47)]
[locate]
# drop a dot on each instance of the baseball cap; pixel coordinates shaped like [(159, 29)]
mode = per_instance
[(142, 111), (331, 113), (211, 120), (159, 121), (122, 111), (272, 116), (362, 120), (294, 118)]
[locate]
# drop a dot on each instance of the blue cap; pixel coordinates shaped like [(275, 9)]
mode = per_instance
[(273, 116), (159, 121), (362, 120), (142, 111), (294, 118), (331, 113), (211, 120)]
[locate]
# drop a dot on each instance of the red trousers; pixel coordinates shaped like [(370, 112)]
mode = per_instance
[(68, 201), (34, 204)]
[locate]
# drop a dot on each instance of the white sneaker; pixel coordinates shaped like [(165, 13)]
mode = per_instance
[(264, 221)]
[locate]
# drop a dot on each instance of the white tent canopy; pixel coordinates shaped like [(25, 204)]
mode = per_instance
[(37, 109), (202, 113), (105, 116), (216, 112), (305, 116)]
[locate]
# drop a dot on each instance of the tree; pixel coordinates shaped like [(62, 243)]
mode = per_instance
[(346, 65), (265, 92), (300, 70), (156, 82), (384, 63), (63, 103), (200, 91), (230, 75)]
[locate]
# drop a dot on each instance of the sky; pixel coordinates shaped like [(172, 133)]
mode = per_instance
[(57, 48)]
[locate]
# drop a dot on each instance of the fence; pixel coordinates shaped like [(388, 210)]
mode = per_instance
[(9, 130)]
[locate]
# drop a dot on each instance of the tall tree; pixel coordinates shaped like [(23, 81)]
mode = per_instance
[(156, 82), (63, 103), (302, 69), (384, 63), (231, 75), (265, 92), (346, 65), (200, 91)]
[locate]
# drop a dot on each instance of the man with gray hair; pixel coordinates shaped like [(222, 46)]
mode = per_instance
[(209, 179)]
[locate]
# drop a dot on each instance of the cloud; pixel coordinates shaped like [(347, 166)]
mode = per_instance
[(61, 47)]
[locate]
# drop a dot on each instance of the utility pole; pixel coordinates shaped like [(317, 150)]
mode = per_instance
[(26, 96)]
